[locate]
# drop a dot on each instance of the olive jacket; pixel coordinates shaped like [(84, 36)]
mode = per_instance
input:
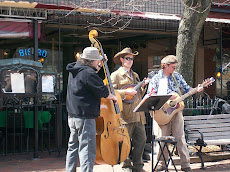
[(121, 78)]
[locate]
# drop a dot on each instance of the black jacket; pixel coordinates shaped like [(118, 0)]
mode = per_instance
[(84, 92)]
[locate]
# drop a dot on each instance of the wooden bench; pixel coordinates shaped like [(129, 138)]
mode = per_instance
[(203, 130)]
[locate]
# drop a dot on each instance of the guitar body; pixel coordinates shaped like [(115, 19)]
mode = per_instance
[(129, 98), (165, 114), (112, 139)]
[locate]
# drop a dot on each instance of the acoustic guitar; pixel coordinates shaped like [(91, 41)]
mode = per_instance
[(171, 107), (131, 98)]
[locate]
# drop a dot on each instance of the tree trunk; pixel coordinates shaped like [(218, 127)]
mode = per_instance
[(195, 13)]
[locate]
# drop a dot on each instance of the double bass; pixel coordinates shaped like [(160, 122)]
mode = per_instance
[(112, 139)]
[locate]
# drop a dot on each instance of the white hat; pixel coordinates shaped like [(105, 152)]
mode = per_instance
[(169, 59), (91, 53)]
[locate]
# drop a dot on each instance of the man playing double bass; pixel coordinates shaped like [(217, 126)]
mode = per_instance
[(84, 93), (134, 122)]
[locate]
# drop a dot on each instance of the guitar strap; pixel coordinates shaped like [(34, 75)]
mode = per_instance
[(177, 84)]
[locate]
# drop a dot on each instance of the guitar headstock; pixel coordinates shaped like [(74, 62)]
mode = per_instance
[(207, 82)]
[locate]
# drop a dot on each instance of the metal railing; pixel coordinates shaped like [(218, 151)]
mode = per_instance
[(30, 125)]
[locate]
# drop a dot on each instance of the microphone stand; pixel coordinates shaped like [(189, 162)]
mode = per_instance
[(151, 103), (153, 139)]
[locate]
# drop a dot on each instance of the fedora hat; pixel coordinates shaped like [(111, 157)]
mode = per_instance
[(124, 52), (91, 53)]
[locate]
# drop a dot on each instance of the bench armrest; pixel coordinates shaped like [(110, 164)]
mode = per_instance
[(199, 141)]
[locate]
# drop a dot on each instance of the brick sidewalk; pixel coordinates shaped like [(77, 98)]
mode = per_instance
[(51, 163)]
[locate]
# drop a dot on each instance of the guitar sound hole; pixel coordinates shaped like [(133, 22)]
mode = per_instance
[(172, 103)]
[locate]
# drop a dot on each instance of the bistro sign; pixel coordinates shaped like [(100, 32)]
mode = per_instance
[(28, 53)]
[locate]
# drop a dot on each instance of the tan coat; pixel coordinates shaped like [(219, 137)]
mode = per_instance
[(119, 79)]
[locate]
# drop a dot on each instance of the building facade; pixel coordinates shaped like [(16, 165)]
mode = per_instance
[(52, 34)]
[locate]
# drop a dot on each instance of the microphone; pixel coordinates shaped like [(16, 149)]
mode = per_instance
[(225, 67)]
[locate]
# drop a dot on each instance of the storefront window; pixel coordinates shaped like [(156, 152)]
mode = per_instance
[(49, 55), (223, 74)]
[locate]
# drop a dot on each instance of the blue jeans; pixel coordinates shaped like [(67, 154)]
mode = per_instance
[(82, 143)]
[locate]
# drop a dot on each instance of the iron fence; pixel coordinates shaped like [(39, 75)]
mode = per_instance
[(32, 125)]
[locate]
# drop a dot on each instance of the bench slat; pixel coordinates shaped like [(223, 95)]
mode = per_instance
[(210, 130), (206, 117), (219, 134), (214, 142), (208, 126), (207, 139), (218, 142), (208, 121)]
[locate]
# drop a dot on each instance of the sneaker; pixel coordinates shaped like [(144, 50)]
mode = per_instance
[(126, 169), (127, 164), (160, 168), (141, 170), (187, 169)]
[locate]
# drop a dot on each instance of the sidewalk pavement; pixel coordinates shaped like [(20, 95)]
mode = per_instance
[(52, 163)]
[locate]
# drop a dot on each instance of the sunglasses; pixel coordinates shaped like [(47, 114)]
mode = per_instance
[(128, 58), (174, 68)]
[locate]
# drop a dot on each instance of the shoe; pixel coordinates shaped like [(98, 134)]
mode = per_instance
[(127, 164), (126, 169), (187, 169), (146, 156), (160, 168), (142, 170)]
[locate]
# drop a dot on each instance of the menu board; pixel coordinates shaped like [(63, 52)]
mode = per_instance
[(47, 83), (17, 82)]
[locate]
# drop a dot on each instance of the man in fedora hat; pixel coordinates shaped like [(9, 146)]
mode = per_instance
[(166, 82), (84, 92), (134, 121)]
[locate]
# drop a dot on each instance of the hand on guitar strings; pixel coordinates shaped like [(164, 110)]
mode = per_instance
[(106, 58), (130, 92), (113, 98), (173, 97)]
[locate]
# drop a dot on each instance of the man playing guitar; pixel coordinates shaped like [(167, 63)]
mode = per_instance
[(166, 82)]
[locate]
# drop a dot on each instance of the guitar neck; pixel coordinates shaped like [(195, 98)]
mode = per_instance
[(191, 92), (206, 83), (107, 73), (138, 85), (150, 75)]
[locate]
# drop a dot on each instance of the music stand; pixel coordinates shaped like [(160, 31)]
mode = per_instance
[(152, 103)]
